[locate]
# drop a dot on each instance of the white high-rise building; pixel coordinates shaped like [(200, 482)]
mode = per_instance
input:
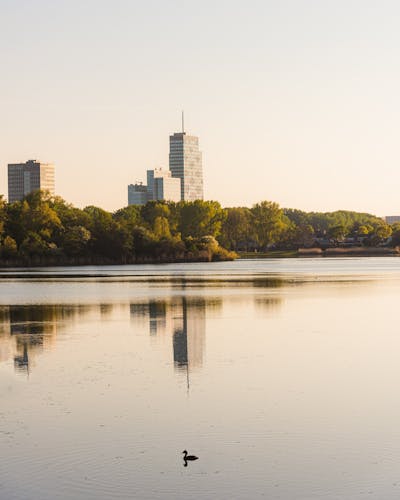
[(185, 163), (23, 178), (162, 186)]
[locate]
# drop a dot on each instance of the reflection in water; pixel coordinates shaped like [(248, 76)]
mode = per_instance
[(268, 302), (189, 333), (158, 317), (285, 405), (184, 319), (27, 330)]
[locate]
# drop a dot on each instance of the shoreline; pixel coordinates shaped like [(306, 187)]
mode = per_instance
[(319, 252), (274, 254)]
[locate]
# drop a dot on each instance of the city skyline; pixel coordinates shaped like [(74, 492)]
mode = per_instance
[(183, 181), (300, 109)]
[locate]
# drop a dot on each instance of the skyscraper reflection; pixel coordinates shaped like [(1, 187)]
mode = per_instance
[(184, 318), (190, 333)]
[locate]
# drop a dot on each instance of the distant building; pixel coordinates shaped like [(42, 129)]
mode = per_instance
[(184, 179), (185, 163), (23, 178), (391, 219), (162, 186), (137, 194)]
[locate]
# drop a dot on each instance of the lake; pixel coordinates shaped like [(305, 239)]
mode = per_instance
[(281, 375)]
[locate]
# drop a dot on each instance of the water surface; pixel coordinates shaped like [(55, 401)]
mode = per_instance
[(281, 375)]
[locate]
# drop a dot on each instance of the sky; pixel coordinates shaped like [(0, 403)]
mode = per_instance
[(293, 101)]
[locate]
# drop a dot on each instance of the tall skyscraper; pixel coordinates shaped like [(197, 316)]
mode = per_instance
[(23, 178), (185, 162)]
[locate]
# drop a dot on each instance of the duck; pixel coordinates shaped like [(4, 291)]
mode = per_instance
[(189, 457)]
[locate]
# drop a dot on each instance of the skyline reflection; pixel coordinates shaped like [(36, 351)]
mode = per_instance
[(29, 330), (184, 320)]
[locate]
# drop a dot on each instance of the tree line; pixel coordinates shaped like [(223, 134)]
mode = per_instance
[(44, 229), (266, 225)]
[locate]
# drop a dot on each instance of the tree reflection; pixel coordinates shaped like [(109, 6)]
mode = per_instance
[(26, 330)]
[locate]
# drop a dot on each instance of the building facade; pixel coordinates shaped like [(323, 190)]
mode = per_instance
[(137, 194), (185, 163), (391, 219), (162, 186), (23, 178)]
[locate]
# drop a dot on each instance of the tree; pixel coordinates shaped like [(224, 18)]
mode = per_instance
[(200, 218), (75, 240), (32, 215), (304, 235), (108, 237), (395, 234), (269, 223), (34, 245), (237, 228), (129, 216), (298, 217), (9, 247), (364, 230), (154, 209), (337, 232), (2, 214), (383, 231), (161, 228)]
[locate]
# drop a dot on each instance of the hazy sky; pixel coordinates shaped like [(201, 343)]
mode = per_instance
[(295, 101)]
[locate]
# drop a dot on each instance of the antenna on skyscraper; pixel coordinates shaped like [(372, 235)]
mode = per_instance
[(183, 123)]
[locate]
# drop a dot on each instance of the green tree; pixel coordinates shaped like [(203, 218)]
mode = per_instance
[(34, 245), (395, 234), (154, 209), (200, 218), (108, 237), (383, 231), (237, 228), (161, 228), (32, 215), (364, 230), (2, 214), (9, 247), (337, 232), (304, 235), (75, 240), (298, 217), (269, 223), (129, 216)]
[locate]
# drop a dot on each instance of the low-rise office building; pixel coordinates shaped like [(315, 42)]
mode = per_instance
[(391, 219), (137, 194), (23, 178), (162, 186)]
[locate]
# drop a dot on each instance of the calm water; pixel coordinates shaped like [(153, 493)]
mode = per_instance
[(283, 376)]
